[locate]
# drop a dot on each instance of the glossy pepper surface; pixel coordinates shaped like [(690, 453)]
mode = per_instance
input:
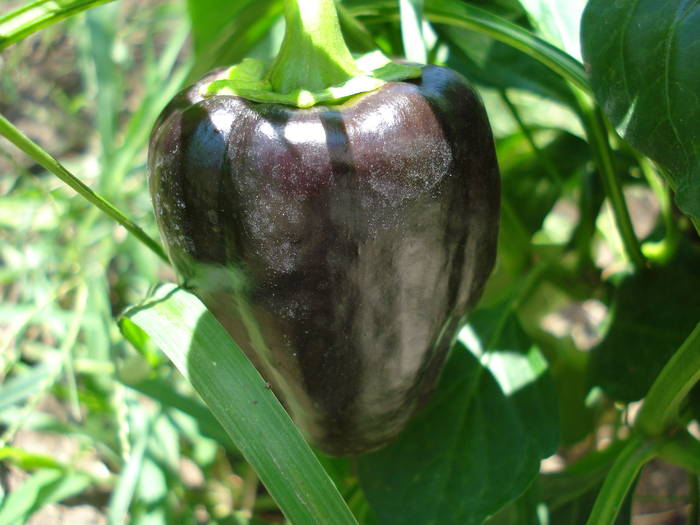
[(340, 246)]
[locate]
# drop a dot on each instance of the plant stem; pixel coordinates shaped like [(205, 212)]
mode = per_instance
[(313, 55), (31, 148), (597, 132), (619, 480), (664, 250), (680, 374)]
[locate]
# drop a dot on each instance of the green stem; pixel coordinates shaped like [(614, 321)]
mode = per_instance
[(681, 373), (313, 55), (664, 250), (619, 480), (597, 132), (35, 151)]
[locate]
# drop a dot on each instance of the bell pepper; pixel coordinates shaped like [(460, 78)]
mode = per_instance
[(339, 219)]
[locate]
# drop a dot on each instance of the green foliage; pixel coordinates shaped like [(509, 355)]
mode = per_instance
[(644, 72), (237, 395), (22, 22), (495, 416), (45, 486), (536, 370), (644, 334)]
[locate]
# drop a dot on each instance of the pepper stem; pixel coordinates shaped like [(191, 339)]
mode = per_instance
[(313, 55)]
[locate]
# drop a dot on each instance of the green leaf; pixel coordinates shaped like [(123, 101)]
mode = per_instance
[(20, 387), (165, 393), (27, 460), (33, 16), (44, 487), (479, 442), (532, 195), (236, 394), (643, 58), (558, 22), (653, 312), (412, 30), (43, 158), (118, 509)]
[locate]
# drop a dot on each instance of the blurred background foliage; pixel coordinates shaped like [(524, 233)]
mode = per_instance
[(92, 430)]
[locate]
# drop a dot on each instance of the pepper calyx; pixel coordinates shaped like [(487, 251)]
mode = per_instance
[(249, 80)]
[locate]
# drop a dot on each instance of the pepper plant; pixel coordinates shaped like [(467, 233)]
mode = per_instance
[(572, 375)]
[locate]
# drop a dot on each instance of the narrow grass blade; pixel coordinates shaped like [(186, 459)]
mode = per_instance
[(117, 513), (412, 30), (25, 20), (44, 487), (25, 385), (181, 326), (31, 148)]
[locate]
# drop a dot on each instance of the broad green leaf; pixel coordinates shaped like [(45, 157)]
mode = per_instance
[(33, 16), (643, 58), (653, 312), (234, 391), (479, 442), (558, 22), (42, 488)]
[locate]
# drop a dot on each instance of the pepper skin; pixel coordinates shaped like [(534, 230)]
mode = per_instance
[(340, 246)]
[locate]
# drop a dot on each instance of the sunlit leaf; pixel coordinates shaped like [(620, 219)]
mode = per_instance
[(558, 22), (33, 16), (478, 443), (181, 326), (42, 488), (643, 58)]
